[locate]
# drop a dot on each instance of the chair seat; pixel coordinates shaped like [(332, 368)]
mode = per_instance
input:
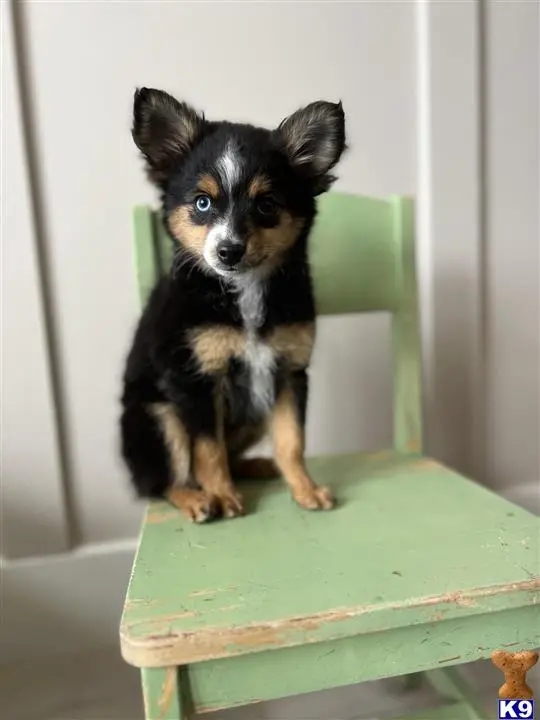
[(410, 542)]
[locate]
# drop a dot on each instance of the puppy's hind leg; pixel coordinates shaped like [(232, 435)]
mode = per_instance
[(144, 451), (198, 505), (155, 447)]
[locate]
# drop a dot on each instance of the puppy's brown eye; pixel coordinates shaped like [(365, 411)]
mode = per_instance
[(266, 205)]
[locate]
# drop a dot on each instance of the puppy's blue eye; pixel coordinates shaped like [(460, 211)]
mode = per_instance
[(203, 203)]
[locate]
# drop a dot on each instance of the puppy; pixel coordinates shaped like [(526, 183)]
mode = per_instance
[(221, 351)]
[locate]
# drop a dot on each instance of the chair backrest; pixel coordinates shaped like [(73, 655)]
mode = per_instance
[(362, 260)]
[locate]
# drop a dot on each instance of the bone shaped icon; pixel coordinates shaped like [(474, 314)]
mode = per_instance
[(515, 667)]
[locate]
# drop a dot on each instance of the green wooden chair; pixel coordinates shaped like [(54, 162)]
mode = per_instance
[(418, 569)]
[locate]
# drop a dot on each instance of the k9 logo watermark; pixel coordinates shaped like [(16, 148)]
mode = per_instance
[(516, 709)]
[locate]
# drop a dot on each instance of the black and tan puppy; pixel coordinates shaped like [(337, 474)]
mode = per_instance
[(221, 351)]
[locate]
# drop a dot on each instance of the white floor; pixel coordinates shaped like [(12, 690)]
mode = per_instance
[(100, 686)]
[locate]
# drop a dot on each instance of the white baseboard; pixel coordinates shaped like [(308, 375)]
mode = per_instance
[(66, 603), (526, 495)]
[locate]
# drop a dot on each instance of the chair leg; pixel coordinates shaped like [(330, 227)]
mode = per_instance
[(448, 683), (412, 682), (162, 692)]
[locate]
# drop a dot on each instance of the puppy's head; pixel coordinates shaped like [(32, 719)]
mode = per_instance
[(237, 197)]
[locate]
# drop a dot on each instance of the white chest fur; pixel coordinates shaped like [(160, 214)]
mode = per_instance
[(259, 356)]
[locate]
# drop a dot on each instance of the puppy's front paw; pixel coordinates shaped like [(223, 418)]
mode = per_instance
[(315, 498), (231, 503), (197, 505)]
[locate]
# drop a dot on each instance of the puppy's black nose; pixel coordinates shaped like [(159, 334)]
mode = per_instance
[(230, 253)]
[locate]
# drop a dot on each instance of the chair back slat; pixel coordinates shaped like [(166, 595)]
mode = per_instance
[(362, 260), (352, 255)]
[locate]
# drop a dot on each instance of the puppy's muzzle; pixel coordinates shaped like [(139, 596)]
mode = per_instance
[(230, 253)]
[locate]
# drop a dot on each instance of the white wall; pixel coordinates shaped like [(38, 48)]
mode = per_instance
[(30, 451), (513, 243)]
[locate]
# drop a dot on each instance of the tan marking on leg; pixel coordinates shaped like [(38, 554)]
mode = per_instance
[(211, 470), (260, 184), (176, 439), (289, 453), (185, 231), (208, 184), (197, 505), (294, 343), (215, 345)]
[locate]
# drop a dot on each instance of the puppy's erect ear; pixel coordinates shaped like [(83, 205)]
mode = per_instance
[(314, 139), (164, 130)]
